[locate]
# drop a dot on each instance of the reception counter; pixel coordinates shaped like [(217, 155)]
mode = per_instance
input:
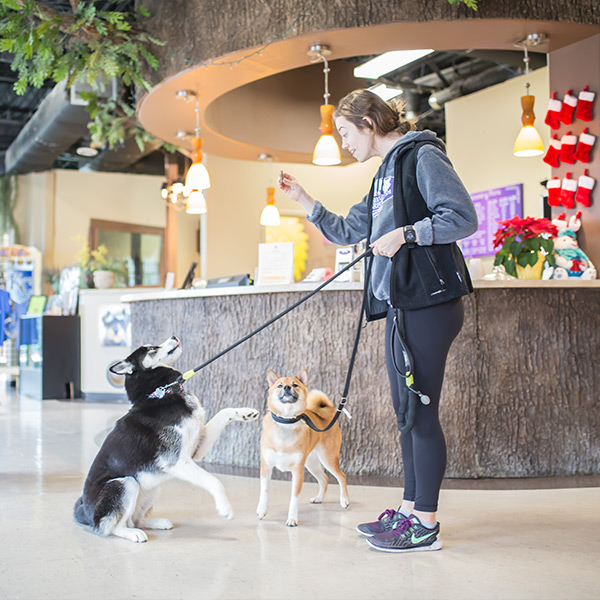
[(520, 398)]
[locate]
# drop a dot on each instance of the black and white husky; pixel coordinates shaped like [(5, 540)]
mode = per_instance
[(157, 440)]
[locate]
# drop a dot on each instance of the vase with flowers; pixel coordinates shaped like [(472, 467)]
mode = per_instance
[(97, 270), (526, 245)]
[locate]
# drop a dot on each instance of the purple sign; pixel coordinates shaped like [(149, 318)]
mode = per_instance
[(492, 206)]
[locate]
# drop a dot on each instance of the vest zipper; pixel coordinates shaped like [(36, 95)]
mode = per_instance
[(437, 273)]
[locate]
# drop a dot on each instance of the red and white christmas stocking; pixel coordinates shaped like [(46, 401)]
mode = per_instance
[(584, 146), (554, 107), (552, 157), (585, 104), (567, 148), (567, 191), (584, 189), (567, 110), (553, 187)]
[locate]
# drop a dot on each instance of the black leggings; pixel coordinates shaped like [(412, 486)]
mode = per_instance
[(428, 333)]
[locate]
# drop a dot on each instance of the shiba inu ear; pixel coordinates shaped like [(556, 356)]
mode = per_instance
[(122, 367), (272, 377), (303, 376)]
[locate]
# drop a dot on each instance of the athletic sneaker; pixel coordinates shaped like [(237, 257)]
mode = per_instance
[(385, 522), (409, 535)]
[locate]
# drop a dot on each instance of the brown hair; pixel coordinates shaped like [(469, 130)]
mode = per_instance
[(387, 116)]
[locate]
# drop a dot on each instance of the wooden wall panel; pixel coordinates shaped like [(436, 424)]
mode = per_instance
[(520, 397)]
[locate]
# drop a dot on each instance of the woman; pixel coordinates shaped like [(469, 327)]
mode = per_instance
[(416, 209)]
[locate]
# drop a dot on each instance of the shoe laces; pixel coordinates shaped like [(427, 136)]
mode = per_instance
[(389, 513), (402, 527)]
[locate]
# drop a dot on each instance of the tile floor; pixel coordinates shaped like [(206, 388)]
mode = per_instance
[(499, 543)]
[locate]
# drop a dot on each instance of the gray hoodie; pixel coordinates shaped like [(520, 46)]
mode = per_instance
[(453, 218)]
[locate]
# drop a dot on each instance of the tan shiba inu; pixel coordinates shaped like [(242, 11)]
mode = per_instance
[(292, 445)]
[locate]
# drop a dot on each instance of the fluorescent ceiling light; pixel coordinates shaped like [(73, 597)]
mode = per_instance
[(390, 61), (384, 92)]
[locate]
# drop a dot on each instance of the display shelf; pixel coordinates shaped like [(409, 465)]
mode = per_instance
[(49, 356)]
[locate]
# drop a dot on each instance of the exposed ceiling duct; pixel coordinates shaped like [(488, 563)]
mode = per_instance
[(54, 127), (469, 85), (121, 157)]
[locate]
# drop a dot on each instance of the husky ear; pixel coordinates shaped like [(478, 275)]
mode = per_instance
[(123, 367), (272, 377), (303, 376)]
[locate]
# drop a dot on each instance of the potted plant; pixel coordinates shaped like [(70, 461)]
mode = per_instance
[(526, 245), (97, 270)]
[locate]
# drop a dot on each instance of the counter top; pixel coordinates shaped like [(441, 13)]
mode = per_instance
[(161, 294), (241, 290)]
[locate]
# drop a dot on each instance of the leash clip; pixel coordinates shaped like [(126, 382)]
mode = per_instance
[(343, 407), (161, 392)]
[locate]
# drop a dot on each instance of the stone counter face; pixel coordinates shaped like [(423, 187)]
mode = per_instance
[(520, 398), (521, 394)]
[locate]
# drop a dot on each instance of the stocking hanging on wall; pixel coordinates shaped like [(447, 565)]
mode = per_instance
[(584, 189), (585, 104), (584, 146), (567, 191), (553, 187), (553, 112), (552, 157), (567, 148), (567, 110)]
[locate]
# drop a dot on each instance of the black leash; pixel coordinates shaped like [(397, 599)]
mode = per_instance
[(341, 406), (162, 391)]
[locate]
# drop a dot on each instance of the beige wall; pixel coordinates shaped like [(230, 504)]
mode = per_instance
[(481, 129), (55, 206), (238, 195)]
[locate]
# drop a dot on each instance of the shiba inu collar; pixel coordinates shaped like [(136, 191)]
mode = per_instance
[(307, 419), (286, 420)]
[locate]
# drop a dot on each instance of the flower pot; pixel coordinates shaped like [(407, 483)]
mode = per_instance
[(532, 272), (103, 279)]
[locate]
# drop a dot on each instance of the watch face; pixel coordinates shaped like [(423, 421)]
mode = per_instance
[(410, 235)]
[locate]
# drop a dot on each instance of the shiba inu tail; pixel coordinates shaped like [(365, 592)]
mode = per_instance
[(319, 403)]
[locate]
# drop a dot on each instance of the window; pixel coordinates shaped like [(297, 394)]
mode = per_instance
[(138, 249)]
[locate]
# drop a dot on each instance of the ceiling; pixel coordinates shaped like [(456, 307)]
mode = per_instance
[(245, 112)]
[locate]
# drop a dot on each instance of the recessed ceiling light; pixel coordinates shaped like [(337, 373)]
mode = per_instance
[(86, 151), (385, 92), (390, 61)]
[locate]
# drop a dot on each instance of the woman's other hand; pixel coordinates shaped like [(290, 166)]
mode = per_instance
[(388, 244)]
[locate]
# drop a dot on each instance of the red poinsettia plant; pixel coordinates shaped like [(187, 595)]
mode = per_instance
[(521, 240)]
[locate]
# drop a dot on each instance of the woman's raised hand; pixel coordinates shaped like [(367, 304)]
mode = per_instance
[(293, 190), (289, 186)]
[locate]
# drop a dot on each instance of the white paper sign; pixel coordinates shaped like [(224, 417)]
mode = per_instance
[(343, 257), (275, 263)]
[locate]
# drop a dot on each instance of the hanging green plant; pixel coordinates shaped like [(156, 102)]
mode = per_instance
[(8, 200), (89, 45)]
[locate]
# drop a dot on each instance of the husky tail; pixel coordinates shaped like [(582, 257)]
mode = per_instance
[(79, 513)]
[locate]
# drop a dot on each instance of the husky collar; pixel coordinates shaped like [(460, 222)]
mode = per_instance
[(172, 388)]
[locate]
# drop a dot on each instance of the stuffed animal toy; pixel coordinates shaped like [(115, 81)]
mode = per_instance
[(571, 260)]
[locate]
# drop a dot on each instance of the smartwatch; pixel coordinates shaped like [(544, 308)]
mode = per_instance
[(410, 235)]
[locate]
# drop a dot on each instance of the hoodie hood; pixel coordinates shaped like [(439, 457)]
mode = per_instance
[(415, 136)]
